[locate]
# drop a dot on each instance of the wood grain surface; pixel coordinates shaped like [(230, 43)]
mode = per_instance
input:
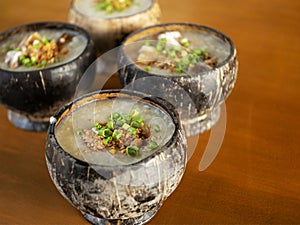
[(255, 178)]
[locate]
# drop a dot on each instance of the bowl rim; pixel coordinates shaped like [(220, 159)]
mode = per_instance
[(151, 5), (219, 34), (36, 26), (167, 108)]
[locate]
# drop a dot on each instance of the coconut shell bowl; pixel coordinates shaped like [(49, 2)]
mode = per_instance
[(40, 66), (109, 22), (89, 168), (192, 66)]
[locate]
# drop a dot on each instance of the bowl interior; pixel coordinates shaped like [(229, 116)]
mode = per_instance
[(74, 116), (15, 38), (88, 8), (212, 40)]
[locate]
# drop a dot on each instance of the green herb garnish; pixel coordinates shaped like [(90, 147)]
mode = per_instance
[(132, 151), (9, 48), (148, 68), (79, 132), (153, 145), (120, 127), (37, 51), (178, 58), (134, 113), (110, 6), (161, 44), (156, 128), (124, 133), (116, 135)]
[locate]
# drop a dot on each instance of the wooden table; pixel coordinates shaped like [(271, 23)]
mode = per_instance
[(255, 178)]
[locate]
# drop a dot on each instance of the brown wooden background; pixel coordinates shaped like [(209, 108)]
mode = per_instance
[(255, 179)]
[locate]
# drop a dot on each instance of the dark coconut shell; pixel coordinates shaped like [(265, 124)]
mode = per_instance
[(206, 90), (108, 33), (37, 94), (90, 188)]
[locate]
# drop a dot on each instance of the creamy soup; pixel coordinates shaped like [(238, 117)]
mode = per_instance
[(90, 8), (183, 52), (83, 120), (15, 55)]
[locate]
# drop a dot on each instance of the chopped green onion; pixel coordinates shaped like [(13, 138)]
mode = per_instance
[(36, 44), (25, 61), (177, 60), (134, 113), (135, 124), (138, 119), (109, 9), (118, 8), (148, 68), (110, 124), (126, 117), (161, 44), (107, 140), (163, 41), (147, 43), (116, 135), (115, 115), (185, 60), (153, 145), (126, 126), (101, 5), (98, 126), (177, 48), (132, 151), (178, 70), (42, 64), (79, 132), (9, 48), (22, 57), (33, 60), (45, 41), (172, 53), (111, 132), (184, 42), (156, 128), (120, 122), (113, 5), (200, 52), (133, 131), (104, 132)]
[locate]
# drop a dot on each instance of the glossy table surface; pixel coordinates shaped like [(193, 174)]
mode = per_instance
[(254, 179)]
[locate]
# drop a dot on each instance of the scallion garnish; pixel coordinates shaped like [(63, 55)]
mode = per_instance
[(153, 145), (98, 126), (110, 124), (106, 141), (133, 131), (125, 126), (79, 132), (179, 56), (134, 113), (132, 151), (156, 128), (9, 48), (105, 132), (111, 6), (116, 135), (148, 68), (122, 129)]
